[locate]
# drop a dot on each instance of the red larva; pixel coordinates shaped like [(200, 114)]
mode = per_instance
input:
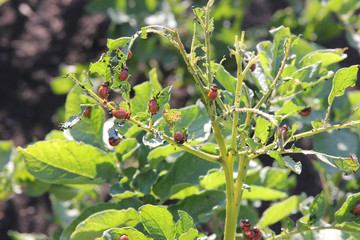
[(305, 112), (104, 91), (254, 234), (283, 130), (213, 92), (245, 225), (87, 112), (295, 81), (252, 67), (124, 74), (114, 141), (124, 237), (153, 106), (356, 209), (121, 114), (180, 137), (129, 54)]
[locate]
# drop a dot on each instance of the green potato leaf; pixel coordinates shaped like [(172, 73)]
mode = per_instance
[(158, 222), (68, 162)]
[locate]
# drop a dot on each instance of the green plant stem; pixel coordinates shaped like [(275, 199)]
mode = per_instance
[(207, 44), (231, 214), (240, 180), (247, 96), (250, 110), (237, 91), (277, 78), (326, 118), (286, 235)]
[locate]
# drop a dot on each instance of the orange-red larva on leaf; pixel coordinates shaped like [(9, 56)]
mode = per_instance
[(124, 74), (114, 141), (129, 54), (305, 112), (87, 112), (121, 114), (252, 67), (153, 106), (245, 225), (254, 234), (283, 131), (104, 91), (296, 81), (180, 137), (124, 237), (356, 209), (213, 92)]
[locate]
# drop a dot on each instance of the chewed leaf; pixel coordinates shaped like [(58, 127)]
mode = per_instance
[(316, 209), (294, 166), (114, 44), (152, 141), (162, 96), (171, 116), (349, 164), (102, 67), (288, 162), (113, 132), (73, 120)]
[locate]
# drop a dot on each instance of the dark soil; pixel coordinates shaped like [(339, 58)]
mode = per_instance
[(36, 37)]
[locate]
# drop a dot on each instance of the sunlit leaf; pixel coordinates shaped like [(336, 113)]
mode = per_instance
[(279, 211), (263, 193), (114, 44), (345, 214), (325, 56), (158, 222), (262, 129), (68, 162), (116, 233), (344, 78), (97, 223)]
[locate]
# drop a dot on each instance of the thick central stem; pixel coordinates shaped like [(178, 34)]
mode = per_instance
[(231, 214)]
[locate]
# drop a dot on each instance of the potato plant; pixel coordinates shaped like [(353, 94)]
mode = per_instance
[(168, 171)]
